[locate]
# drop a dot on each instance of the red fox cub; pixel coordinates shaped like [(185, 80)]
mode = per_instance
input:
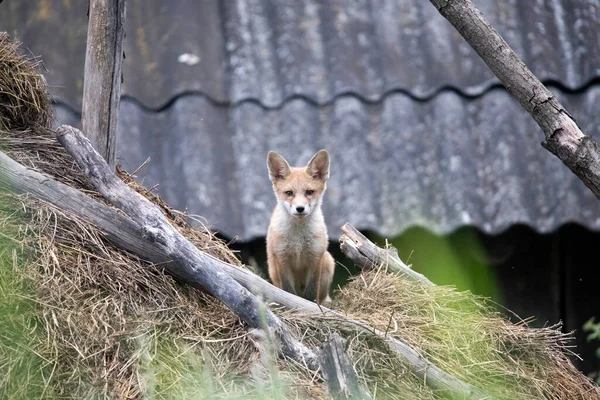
[(297, 238)]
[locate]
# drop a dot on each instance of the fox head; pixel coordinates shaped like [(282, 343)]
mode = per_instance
[(299, 190)]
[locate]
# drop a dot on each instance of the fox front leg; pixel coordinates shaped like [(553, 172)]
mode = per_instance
[(319, 281), (310, 292), (279, 278), (287, 284), (313, 283)]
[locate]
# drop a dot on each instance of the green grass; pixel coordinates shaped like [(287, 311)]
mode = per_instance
[(171, 369), (25, 365)]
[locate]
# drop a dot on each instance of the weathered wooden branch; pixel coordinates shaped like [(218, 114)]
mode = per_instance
[(126, 234), (366, 255), (564, 138), (193, 265), (102, 79), (342, 380)]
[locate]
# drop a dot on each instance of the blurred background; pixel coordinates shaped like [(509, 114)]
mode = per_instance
[(428, 151)]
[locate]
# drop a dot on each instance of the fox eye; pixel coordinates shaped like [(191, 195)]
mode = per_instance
[(309, 192), (289, 193)]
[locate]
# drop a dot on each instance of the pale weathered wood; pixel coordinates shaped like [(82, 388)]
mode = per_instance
[(367, 255), (122, 231), (126, 234), (564, 138), (190, 263), (102, 78), (341, 378)]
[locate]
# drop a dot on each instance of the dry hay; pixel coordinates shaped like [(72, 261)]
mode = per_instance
[(113, 324), (465, 335), (24, 100), (87, 319), (81, 318)]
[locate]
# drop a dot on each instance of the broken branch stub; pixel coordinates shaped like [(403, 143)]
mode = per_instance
[(190, 263), (578, 151), (367, 255)]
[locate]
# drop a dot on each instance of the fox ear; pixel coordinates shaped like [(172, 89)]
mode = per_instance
[(278, 167), (318, 166)]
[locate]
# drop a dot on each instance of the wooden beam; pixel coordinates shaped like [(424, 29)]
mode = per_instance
[(102, 79), (564, 139)]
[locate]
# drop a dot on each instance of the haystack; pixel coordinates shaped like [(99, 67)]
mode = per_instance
[(24, 100), (80, 317)]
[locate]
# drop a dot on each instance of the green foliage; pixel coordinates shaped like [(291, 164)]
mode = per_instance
[(171, 369), (593, 328), (457, 259)]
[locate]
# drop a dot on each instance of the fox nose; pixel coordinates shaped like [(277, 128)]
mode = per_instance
[(300, 209)]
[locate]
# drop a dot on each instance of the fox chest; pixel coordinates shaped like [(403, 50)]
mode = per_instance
[(301, 250)]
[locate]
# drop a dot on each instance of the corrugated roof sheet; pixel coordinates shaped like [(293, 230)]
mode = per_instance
[(270, 51), (417, 127), (441, 164)]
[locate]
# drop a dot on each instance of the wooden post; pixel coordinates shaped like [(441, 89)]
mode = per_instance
[(102, 79), (341, 378), (564, 139)]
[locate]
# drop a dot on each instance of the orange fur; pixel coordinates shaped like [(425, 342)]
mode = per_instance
[(297, 237)]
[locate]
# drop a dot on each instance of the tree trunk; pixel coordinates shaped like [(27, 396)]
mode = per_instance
[(102, 79), (564, 139)]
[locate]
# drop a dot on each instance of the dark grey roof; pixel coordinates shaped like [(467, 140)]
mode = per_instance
[(441, 164), (419, 131), (271, 50)]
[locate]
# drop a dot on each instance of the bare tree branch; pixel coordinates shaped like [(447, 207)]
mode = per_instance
[(127, 234), (564, 138), (193, 265)]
